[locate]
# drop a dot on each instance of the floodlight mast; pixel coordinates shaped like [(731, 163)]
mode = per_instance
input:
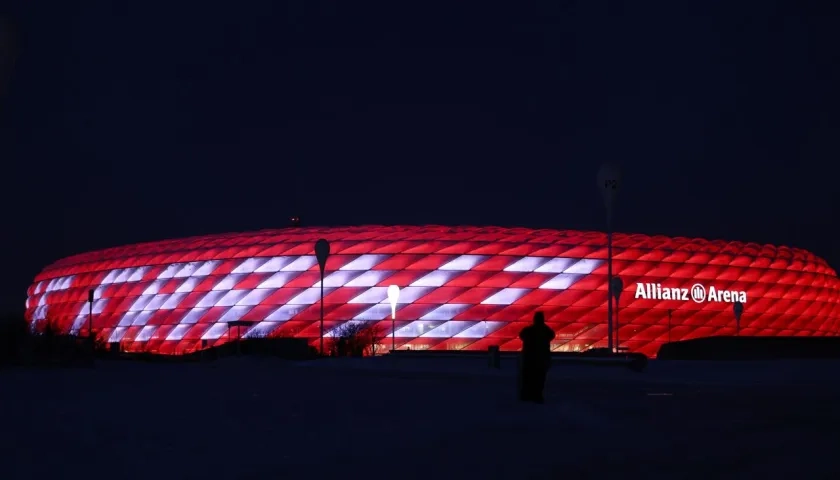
[(609, 182)]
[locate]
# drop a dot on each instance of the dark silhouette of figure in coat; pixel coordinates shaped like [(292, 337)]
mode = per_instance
[(536, 358)]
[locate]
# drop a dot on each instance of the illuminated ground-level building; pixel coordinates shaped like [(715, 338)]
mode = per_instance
[(461, 288)]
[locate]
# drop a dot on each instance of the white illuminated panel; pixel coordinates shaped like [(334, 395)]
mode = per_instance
[(301, 264), (526, 264), (561, 282), (337, 279), (188, 285), (464, 263), (371, 295), (178, 332), (556, 265), (309, 296), (138, 274), (173, 301), (109, 278), (145, 333), (187, 270), (411, 294), (285, 313), (278, 279), (364, 262), (445, 312), (415, 329), (154, 287), (448, 329), (380, 311), (193, 316), (254, 297), (480, 330), (210, 299), (261, 329), (141, 319), (230, 298), (274, 265), (206, 268), (127, 319), (42, 302), (370, 278), (249, 265), (228, 282), (170, 270), (99, 305), (156, 303), (141, 303), (434, 279), (583, 267), (39, 287), (124, 275), (214, 332), (117, 335), (234, 314), (505, 296)]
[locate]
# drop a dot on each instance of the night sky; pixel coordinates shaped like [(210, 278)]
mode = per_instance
[(135, 121)]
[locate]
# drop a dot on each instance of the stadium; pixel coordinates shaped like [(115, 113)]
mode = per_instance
[(462, 288)]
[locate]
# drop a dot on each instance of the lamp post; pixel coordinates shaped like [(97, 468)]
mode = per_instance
[(322, 252), (393, 297), (90, 318), (609, 182), (738, 308), (669, 325), (616, 287)]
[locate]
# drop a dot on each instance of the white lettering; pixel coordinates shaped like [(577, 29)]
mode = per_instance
[(655, 291)]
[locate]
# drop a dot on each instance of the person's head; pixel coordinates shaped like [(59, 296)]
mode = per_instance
[(539, 318)]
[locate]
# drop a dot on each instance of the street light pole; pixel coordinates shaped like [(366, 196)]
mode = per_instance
[(669, 325), (738, 308), (616, 287), (322, 252), (609, 181), (393, 298), (90, 318)]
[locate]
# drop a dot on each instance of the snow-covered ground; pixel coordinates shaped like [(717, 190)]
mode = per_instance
[(250, 418)]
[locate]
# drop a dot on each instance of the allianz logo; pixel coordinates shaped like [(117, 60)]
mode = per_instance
[(698, 293)]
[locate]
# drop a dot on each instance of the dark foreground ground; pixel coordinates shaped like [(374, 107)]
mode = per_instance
[(246, 418)]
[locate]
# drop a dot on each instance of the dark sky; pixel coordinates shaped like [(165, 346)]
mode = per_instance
[(134, 121)]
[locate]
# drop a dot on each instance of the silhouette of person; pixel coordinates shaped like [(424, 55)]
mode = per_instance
[(536, 358)]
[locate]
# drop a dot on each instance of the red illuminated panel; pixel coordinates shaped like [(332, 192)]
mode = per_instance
[(461, 288)]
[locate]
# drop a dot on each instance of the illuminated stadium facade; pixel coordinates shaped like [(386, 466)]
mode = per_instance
[(461, 288)]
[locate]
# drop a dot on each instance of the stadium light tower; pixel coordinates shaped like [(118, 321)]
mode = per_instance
[(393, 297), (609, 182), (322, 252)]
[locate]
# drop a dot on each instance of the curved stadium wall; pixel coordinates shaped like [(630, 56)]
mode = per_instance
[(461, 288)]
